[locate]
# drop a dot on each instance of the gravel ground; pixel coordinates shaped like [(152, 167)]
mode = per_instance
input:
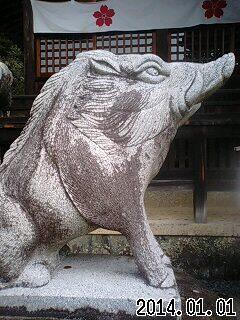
[(224, 288), (210, 291)]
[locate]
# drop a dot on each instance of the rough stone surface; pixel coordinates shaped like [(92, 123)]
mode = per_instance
[(6, 79), (99, 132), (95, 285)]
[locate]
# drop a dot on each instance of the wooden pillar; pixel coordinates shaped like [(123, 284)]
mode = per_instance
[(29, 54), (200, 189), (162, 44)]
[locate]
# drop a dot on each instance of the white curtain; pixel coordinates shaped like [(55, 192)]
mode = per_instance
[(130, 15)]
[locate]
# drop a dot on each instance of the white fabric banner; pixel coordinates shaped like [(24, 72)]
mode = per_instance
[(130, 15)]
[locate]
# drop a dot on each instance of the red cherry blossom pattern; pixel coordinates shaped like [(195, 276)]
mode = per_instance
[(104, 16), (214, 8)]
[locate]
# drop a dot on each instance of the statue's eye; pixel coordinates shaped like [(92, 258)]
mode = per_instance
[(105, 66), (153, 71)]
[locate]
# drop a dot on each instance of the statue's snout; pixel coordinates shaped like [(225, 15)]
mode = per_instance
[(228, 65), (210, 77), (216, 72)]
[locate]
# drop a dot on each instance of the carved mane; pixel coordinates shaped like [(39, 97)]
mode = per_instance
[(41, 105)]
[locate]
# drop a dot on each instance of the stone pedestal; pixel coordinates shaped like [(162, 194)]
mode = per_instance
[(86, 288)]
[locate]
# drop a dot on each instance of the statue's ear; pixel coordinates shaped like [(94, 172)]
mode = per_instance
[(104, 66)]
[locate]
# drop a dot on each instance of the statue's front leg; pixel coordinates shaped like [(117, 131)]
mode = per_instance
[(153, 264)]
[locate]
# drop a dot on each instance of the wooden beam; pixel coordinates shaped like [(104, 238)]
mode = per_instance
[(200, 188), (29, 52)]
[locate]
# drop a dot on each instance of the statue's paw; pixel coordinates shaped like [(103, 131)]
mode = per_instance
[(163, 278), (170, 280), (34, 275)]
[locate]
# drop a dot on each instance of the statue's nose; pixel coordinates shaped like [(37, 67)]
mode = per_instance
[(209, 77), (223, 66), (228, 61), (215, 73)]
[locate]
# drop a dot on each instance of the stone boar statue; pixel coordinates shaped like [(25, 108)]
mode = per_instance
[(99, 131)]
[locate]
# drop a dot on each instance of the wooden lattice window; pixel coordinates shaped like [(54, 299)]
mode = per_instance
[(202, 44), (127, 43), (54, 54)]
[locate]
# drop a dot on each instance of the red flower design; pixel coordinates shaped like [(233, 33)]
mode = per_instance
[(214, 8), (104, 16)]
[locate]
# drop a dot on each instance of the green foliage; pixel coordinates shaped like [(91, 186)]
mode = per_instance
[(12, 56)]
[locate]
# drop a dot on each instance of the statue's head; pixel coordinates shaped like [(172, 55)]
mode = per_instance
[(122, 100), (132, 98)]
